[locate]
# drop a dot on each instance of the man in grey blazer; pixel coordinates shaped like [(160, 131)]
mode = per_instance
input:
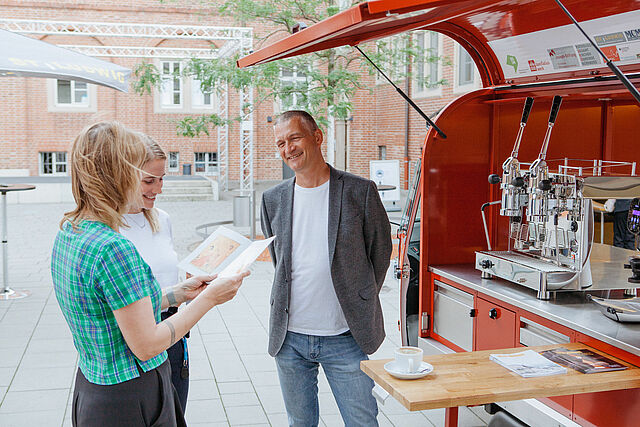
[(331, 254)]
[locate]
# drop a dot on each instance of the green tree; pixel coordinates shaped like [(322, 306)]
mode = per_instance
[(327, 80)]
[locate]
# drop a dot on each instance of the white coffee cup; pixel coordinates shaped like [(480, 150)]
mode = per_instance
[(408, 359)]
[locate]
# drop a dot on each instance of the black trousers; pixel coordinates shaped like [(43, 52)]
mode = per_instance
[(149, 400), (622, 237)]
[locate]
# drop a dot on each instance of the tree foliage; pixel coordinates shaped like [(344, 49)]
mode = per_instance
[(327, 79)]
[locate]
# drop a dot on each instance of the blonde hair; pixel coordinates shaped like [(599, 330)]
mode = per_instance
[(105, 173), (154, 152)]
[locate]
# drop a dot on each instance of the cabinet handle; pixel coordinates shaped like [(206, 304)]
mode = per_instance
[(493, 313), (473, 312)]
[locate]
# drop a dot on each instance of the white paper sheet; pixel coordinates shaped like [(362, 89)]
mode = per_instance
[(246, 258)]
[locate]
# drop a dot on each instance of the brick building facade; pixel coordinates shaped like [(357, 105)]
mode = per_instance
[(40, 119)]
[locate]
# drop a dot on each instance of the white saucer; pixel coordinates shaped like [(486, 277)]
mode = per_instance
[(425, 369)]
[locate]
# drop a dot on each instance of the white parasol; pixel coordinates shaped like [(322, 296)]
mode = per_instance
[(22, 56)]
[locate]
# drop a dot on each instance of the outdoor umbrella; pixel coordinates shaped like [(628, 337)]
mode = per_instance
[(22, 56)]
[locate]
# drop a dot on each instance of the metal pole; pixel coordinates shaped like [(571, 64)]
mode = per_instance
[(5, 279), (252, 203), (601, 227)]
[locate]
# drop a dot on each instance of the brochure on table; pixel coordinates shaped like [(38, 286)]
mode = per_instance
[(583, 360), (225, 253), (528, 364)]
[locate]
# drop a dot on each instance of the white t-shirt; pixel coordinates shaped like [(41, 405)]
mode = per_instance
[(314, 308), (156, 249)]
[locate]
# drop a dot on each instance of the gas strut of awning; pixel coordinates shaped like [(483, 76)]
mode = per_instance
[(404, 95), (613, 67)]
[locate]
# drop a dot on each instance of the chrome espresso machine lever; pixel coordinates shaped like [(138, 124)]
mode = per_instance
[(512, 182), (550, 239), (539, 183)]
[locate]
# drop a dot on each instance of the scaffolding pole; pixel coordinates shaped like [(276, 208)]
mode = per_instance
[(223, 137), (246, 126), (246, 140)]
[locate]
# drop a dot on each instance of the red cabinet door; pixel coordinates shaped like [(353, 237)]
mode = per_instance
[(618, 408), (495, 326)]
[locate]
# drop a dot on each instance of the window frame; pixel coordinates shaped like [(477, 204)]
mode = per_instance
[(382, 152), (211, 167), (419, 90), (294, 79), (72, 89), (175, 168), (391, 69), (467, 87), (54, 106), (196, 84), (55, 162), (172, 81), (190, 89)]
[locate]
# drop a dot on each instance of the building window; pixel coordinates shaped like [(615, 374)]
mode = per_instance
[(70, 96), (182, 93), (465, 67), (293, 89), (206, 163), (72, 93), (174, 161), (171, 84), (200, 99), (428, 68), (466, 73), (53, 163), (382, 152), (392, 50)]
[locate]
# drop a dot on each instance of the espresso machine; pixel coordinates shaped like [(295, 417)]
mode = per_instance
[(551, 223)]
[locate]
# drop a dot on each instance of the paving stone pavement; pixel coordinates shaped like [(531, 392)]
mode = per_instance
[(233, 379)]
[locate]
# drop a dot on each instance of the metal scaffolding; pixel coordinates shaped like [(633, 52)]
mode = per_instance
[(227, 39), (144, 51), (223, 137), (246, 128), (246, 140), (120, 29)]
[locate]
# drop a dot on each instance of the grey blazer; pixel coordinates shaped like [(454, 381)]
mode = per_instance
[(359, 249)]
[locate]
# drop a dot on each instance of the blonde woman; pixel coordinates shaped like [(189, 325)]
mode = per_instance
[(149, 229), (109, 297)]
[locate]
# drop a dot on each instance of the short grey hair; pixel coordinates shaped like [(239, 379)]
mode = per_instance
[(306, 118)]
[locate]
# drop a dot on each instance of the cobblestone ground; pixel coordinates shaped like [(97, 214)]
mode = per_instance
[(233, 379)]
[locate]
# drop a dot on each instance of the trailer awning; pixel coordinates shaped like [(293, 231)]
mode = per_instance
[(510, 40)]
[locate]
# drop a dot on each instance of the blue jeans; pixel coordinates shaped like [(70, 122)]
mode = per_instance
[(340, 358)]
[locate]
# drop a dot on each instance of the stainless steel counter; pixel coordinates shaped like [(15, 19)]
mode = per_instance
[(570, 309)]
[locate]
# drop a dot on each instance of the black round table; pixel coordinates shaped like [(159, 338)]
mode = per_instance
[(385, 187), (7, 293)]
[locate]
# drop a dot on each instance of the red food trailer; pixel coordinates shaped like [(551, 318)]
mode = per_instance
[(521, 49)]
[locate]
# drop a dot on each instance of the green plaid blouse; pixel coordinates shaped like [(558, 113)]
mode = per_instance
[(95, 271)]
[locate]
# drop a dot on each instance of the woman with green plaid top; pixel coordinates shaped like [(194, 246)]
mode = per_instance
[(109, 297)]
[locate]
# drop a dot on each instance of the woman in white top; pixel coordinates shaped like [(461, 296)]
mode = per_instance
[(149, 229)]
